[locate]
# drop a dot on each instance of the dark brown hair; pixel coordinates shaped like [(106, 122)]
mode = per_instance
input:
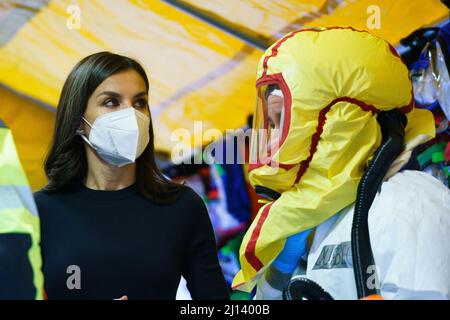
[(66, 161)]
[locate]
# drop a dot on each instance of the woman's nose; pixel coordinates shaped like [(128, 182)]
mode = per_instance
[(125, 105)]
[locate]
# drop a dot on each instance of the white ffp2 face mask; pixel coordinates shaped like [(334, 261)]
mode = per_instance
[(119, 137)]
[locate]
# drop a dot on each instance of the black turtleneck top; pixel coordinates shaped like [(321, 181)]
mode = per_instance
[(107, 244)]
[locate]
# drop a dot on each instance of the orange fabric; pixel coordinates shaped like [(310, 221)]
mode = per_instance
[(373, 297)]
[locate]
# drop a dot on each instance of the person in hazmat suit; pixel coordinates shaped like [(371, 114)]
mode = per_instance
[(334, 127), (20, 256)]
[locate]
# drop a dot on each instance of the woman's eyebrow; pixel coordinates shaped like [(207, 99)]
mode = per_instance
[(141, 94), (110, 93)]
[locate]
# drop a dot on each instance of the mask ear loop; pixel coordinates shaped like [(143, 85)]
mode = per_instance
[(80, 132), (141, 114)]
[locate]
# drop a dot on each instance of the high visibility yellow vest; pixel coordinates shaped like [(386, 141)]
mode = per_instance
[(20, 257)]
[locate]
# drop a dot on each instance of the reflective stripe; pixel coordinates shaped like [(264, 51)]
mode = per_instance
[(20, 221), (18, 211), (11, 171), (14, 197)]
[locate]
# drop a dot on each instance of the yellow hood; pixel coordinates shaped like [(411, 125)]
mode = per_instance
[(335, 81)]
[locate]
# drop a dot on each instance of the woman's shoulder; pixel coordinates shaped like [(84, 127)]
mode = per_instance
[(45, 196), (189, 207), (44, 200), (188, 198), (42, 196)]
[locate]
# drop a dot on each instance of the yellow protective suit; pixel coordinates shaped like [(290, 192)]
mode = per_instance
[(20, 255), (334, 81)]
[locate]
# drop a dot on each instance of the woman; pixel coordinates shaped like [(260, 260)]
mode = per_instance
[(111, 225)]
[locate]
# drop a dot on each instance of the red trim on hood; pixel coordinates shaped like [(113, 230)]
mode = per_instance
[(319, 129), (237, 286), (252, 166), (279, 80), (250, 252), (314, 142), (410, 106)]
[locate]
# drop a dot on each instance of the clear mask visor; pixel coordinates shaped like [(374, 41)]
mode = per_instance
[(268, 124)]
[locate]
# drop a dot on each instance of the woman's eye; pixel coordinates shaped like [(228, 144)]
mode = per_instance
[(111, 102), (141, 103)]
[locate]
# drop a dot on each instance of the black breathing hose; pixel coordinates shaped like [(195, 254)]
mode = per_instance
[(393, 129), (392, 125), (300, 288)]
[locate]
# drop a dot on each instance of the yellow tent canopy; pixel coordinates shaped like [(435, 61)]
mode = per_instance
[(199, 55)]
